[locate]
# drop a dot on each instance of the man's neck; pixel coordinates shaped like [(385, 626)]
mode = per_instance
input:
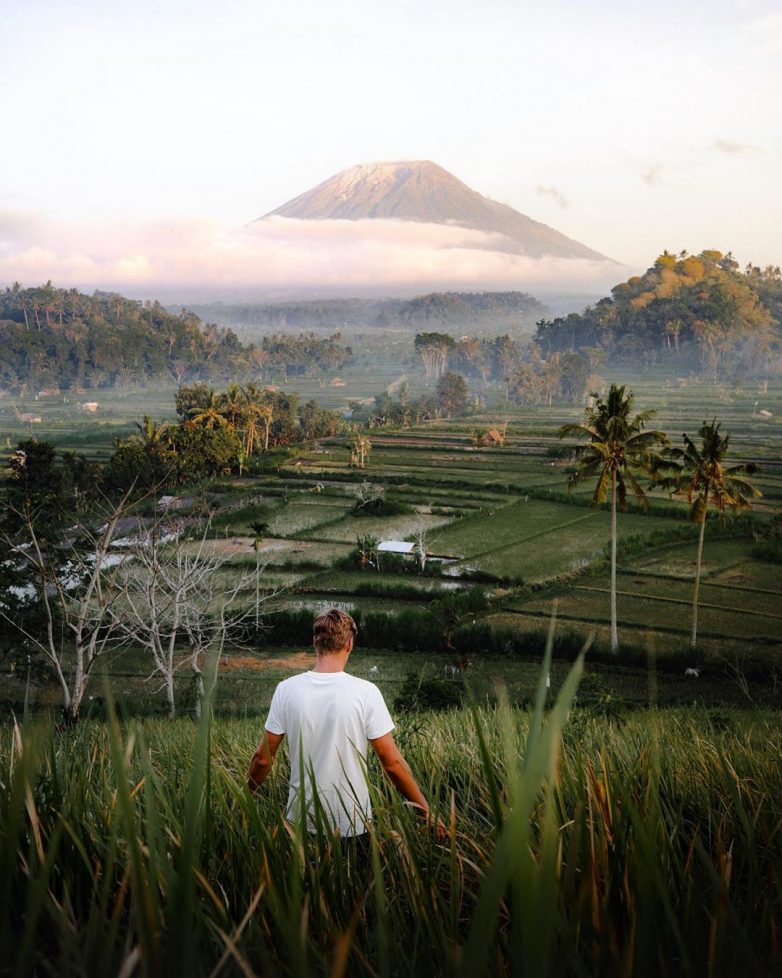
[(333, 662)]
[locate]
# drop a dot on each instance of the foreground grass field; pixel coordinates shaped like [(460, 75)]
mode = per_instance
[(576, 846)]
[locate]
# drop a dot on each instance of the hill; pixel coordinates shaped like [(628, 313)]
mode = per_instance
[(694, 312), (62, 338), (422, 191), (515, 311)]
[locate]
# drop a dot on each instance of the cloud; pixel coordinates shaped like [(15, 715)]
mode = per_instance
[(278, 252), (652, 175), (730, 147), (766, 32), (555, 194)]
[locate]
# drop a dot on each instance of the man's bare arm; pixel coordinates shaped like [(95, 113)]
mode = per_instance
[(400, 775), (262, 760)]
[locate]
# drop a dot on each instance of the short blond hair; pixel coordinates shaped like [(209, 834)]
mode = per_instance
[(332, 631)]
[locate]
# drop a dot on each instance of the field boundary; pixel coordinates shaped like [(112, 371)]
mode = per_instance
[(682, 601)]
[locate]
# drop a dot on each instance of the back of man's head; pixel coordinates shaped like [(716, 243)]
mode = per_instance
[(333, 631)]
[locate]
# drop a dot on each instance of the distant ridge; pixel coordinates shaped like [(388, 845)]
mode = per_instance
[(423, 192)]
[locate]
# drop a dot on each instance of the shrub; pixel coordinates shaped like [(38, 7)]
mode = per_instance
[(381, 507), (435, 693)]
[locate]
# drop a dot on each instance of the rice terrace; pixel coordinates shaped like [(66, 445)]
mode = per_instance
[(391, 490), (627, 800)]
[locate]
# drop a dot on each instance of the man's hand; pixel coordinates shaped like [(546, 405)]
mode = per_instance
[(399, 773), (262, 760), (440, 829)]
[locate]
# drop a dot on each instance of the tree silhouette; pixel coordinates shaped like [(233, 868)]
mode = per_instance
[(699, 473), (617, 453)]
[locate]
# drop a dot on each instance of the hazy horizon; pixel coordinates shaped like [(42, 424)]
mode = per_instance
[(146, 139)]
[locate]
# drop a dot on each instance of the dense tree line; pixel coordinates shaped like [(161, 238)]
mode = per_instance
[(531, 378), (464, 309), (218, 433), (434, 310), (489, 359), (62, 338), (451, 398), (561, 378), (301, 353), (698, 311)]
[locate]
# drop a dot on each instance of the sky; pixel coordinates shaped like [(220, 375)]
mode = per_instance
[(140, 139)]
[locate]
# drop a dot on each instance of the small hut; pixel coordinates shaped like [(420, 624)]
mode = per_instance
[(492, 438)]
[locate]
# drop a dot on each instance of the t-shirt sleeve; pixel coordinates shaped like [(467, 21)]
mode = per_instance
[(378, 720), (275, 721)]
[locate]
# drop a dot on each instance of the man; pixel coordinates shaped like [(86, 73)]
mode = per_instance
[(330, 718)]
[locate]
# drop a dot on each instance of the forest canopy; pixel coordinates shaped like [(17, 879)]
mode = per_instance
[(63, 338), (456, 310), (691, 311)]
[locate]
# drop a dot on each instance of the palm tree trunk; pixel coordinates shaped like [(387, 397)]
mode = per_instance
[(257, 587), (614, 631), (697, 588)]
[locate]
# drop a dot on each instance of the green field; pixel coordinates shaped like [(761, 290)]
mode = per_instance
[(498, 516), (643, 846), (635, 834)]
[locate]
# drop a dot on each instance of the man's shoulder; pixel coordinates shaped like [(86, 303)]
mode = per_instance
[(292, 682), (364, 685), (364, 690)]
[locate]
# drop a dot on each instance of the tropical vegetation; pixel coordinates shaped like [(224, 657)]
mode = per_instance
[(690, 312), (701, 475), (576, 845), (61, 339), (617, 453)]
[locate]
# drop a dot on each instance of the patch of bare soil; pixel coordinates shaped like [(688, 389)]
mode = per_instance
[(296, 663)]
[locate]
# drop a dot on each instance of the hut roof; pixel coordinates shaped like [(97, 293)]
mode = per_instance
[(396, 547)]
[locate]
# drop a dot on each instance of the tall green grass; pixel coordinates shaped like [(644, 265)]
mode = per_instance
[(575, 847)]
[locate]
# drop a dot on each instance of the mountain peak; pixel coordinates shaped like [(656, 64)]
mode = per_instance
[(422, 191)]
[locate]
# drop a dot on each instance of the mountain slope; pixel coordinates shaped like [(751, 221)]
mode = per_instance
[(422, 191)]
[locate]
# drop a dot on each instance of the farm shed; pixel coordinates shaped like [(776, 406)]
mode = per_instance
[(396, 547)]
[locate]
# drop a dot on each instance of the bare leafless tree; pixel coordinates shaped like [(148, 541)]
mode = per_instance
[(367, 493), (419, 538), (75, 582), (177, 593)]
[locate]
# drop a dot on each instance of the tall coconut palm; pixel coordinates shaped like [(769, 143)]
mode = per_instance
[(234, 401), (259, 528), (266, 414), (211, 413), (150, 434), (699, 473), (618, 452), (251, 417)]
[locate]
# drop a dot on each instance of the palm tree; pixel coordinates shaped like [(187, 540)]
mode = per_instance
[(617, 453), (211, 413), (149, 433), (700, 475), (259, 528), (366, 549), (266, 414), (251, 415), (233, 404)]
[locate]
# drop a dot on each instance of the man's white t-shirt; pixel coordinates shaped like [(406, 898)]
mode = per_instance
[(329, 718)]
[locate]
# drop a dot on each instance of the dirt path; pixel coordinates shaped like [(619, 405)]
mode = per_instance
[(297, 662)]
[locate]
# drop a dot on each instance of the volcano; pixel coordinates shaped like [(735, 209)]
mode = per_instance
[(422, 192)]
